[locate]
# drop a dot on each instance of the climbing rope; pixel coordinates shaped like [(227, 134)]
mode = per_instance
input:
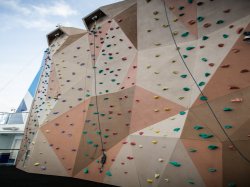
[(209, 106), (104, 157)]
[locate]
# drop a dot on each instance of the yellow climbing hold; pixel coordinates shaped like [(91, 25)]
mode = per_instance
[(180, 98), (150, 181), (156, 97), (149, 66), (175, 33), (36, 164), (175, 20), (157, 132), (165, 25), (167, 109), (156, 110), (175, 72), (154, 142)]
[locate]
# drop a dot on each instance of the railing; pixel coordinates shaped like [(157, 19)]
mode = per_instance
[(8, 156), (13, 118)]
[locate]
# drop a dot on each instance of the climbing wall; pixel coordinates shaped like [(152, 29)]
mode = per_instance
[(161, 87)]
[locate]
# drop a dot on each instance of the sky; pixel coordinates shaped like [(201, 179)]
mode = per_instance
[(24, 25)]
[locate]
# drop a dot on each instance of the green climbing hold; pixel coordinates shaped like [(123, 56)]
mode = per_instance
[(95, 113), (113, 80), (212, 170), (100, 71), (95, 145), (176, 129), (205, 37), (102, 114), (190, 1), (207, 74), (219, 22), (201, 84), (110, 58), (212, 147), (176, 164), (186, 89), (184, 56), (183, 76), (203, 98), (105, 136), (190, 181), (204, 59), (181, 7), (182, 113), (227, 109), (192, 150), (231, 184), (85, 170), (228, 126), (206, 136), (109, 45), (225, 36), (84, 132), (198, 127), (108, 173), (89, 141), (200, 19), (98, 132), (190, 48), (185, 34)]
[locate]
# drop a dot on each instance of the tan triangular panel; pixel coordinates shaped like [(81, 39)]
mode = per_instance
[(67, 129), (43, 159), (116, 8), (114, 117), (127, 20), (185, 170)]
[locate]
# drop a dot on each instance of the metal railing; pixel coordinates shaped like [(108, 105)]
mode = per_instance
[(13, 118)]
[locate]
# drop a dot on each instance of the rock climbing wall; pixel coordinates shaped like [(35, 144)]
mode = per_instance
[(162, 87)]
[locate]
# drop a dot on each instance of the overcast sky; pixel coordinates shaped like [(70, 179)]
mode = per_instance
[(24, 25)]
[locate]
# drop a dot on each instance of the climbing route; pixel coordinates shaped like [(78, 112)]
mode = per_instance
[(154, 93)]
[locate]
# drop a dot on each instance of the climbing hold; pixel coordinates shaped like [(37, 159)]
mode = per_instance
[(150, 181), (203, 98), (190, 1), (212, 147), (174, 163), (212, 170), (205, 136), (244, 71), (160, 160), (220, 45), (200, 19), (140, 146), (182, 113), (155, 13), (108, 173), (37, 164), (236, 100), (85, 170), (157, 176), (192, 150), (89, 141), (207, 74), (190, 181), (205, 37), (176, 129), (156, 97), (185, 34), (190, 48), (154, 141), (186, 89), (225, 36), (227, 109), (206, 25), (231, 184), (219, 22), (183, 76), (201, 83), (228, 126), (198, 127)]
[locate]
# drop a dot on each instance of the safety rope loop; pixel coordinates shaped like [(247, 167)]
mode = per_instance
[(104, 157), (196, 83)]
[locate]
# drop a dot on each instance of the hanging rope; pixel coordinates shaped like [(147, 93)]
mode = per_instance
[(209, 106), (104, 157)]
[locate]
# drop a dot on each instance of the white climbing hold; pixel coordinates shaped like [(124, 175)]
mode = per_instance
[(160, 160), (157, 176), (140, 146)]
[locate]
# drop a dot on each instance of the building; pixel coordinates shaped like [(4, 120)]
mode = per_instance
[(154, 93)]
